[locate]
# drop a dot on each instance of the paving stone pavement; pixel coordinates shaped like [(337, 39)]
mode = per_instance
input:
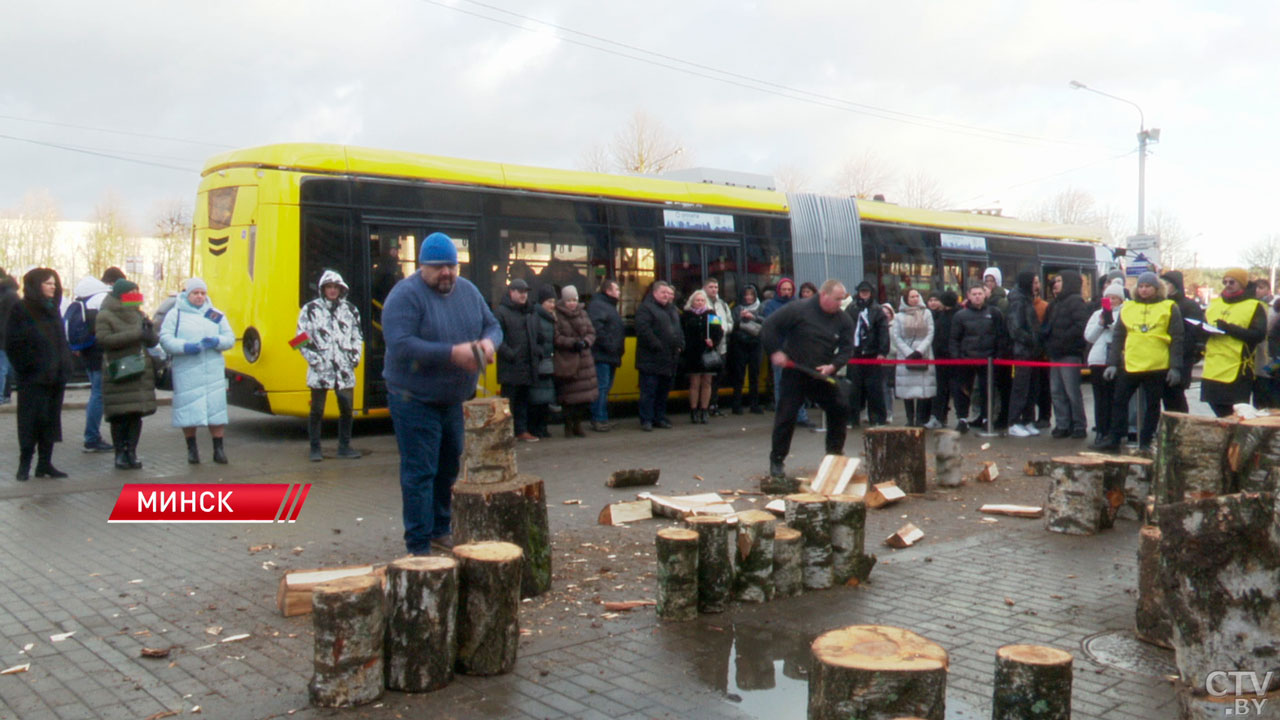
[(970, 586)]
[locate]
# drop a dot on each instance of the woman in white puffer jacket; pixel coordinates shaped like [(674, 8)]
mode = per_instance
[(1098, 330)]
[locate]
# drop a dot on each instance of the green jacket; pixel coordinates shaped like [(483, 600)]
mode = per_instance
[(121, 331)]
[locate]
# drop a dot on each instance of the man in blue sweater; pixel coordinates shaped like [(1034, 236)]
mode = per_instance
[(437, 327)]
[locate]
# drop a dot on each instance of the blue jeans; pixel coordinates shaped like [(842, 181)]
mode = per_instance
[(93, 410), (4, 377), (803, 417), (653, 398), (430, 441), (604, 381)]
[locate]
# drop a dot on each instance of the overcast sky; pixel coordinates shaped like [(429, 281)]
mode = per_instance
[(975, 93)]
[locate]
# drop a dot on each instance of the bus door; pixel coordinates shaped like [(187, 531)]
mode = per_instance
[(691, 262), (958, 273), (393, 255)]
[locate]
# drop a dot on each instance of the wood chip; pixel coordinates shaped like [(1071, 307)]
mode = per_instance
[(882, 494), (906, 536), (155, 652), (989, 472), (234, 638), (574, 501), (61, 636), (213, 630), (624, 605), (163, 714), (625, 512), (1022, 511), (16, 669), (1008, 601), (259, 548)]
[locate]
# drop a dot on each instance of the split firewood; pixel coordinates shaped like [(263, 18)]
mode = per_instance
[(624, 605), (155, 652), (906, 536), (1023, 511), (633, 477), (675, 506), (724, 510), (777, 507), (16, 669), (293, 596), (259, 548), (881, 494), (989, 472), (834, 474), (625, 512)]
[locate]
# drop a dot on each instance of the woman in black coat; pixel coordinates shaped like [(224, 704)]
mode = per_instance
[(702, 333), (36, 344)]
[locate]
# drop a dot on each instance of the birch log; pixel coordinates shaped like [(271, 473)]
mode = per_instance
[(421, 645), (488, 606), (876, 671), (350, 625), (677, 550)]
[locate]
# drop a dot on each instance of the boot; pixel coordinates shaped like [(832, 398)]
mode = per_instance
[(24, 467), (316, 455), (134, 429), (693, 416), (219, 456), (345, 451), (577, 425), (44, 463), (122, 458), (704, 415), (193, 452)]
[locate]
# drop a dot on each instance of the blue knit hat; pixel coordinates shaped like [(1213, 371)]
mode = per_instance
[(437, 249)]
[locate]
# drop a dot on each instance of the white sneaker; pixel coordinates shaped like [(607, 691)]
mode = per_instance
[(933, 424), (1031, 429), (1018, 431)]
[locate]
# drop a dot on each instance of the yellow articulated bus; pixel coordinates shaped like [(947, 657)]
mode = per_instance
[(269, 220)]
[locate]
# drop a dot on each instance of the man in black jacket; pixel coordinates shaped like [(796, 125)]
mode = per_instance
[(1024, 340), (977, 333), (1067, 316), (1193, 337), (943, 314), (518, 354), (8, 296), (608, 348), (811, 333), (870, 341), (659, 342)]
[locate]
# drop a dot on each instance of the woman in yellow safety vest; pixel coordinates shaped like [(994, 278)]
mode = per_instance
[(1146, 349), (1241, 323)]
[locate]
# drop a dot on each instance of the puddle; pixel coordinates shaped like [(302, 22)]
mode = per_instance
[(764, 673)]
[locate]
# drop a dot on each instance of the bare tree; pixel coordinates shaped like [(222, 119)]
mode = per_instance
[(863, 176), (173, 236), (791, 179), (1261, 256), (645, 146), (110, 240), (595, 159), (1175, 244), (28, 233), (1071, 206), (922, 190)]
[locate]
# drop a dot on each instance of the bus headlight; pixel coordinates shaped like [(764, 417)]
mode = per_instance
[(252, 344)]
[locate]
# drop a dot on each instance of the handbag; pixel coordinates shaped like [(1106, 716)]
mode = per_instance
[(126, 368), (712, 360)]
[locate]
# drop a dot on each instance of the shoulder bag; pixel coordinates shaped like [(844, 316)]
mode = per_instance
[(126, 368), (712, 361)]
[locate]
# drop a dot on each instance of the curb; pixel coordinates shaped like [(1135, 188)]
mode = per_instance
[(12, 406)]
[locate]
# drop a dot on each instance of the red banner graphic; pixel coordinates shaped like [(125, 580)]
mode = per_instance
[(209, 502)]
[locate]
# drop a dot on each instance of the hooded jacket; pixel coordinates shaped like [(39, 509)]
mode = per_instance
[(913, 332), (659, 339), (92, 292), (8, 298), (610, 335), (1193, 338), (35, 340), (1066, 319), (871, 327), (336, 341), (746, 331), (1021, 321), (199, 378), (999, 297), (122, 330), (777, 302), (518, 355)]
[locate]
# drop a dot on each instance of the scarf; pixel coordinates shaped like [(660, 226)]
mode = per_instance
[(914, 323)]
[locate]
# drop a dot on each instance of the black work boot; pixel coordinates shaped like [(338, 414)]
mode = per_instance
[(132, 436), (219, 456), (193, 452), (24, 467)]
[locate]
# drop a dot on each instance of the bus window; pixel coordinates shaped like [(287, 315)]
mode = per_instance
[(547, 257), (635, 265), (765, 265), (900, 272)]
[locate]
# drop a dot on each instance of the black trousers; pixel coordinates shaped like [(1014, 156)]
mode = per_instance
[(1004, 388), (867, 390), (519, 397), (942, 400), (1040, 391), (126, 431), (969, 383), (1126, 385), (39, 420), (744, 361), (795, 388), (1021, 398), (1104, 392), (318, 398)]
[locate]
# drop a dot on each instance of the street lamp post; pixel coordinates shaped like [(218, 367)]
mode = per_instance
[(1145, 136)]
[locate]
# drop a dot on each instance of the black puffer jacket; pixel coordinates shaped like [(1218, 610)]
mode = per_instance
[(871, 337), (977, 333), (1193, 338), (1022, 323), (35, 340), (1065, 321), (610, 335), (518, 354), (659, 338)]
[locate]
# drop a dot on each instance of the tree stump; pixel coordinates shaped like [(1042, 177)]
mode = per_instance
[(350, 626), (753, 581), (1131, 476), (488, 606), (421, 645), (788, 550), (1220, 572), (1151, 620), (1199, 705), (807, 512), (489, 454), (948, 462), (514, 511), (896, 454), (848, 522), (1253, 455), (876, 671), (1032, 681), (677, 550), (715, 563), (1075, 501), (1191, 457)]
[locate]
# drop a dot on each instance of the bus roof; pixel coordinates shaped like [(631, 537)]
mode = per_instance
[(334, 159)]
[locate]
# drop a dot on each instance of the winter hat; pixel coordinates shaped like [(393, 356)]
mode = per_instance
[(1239, 274), (949, 298), (1026, 279), (545, 293), (568, 292), (518, 284), (438, 249), (864, 285), (993, 272), (194, 283), (122, 286), (1115, 288), (1149, 278), (786, 280)]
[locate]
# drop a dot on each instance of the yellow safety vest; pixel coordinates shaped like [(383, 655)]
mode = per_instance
[(1225, 356), (1146, 340)]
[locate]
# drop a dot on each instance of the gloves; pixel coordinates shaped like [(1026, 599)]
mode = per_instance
[(191, 348), (1223, 325), (580, 345), (1174, 378), (1109, 373), (209, 342), (917, 355), (1107, 318)]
